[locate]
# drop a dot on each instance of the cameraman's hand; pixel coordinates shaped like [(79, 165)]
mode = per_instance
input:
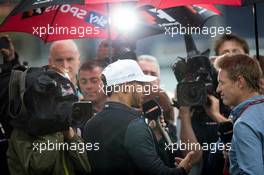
[(8, 53), (213, 110), (61, 70), (69, 134), (186, 162)]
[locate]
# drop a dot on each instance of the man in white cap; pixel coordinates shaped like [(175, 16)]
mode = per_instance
[(126, 143)]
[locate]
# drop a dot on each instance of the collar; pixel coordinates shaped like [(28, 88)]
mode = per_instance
[(117, 105)]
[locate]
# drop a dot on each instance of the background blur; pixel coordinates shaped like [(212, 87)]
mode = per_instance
[(163, 47)]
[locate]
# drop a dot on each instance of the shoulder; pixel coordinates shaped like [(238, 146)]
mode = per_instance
[(252, 116), (138, 128), (138, 124)]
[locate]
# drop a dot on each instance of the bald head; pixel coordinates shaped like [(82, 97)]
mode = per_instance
[(63, 47), (65, 54)]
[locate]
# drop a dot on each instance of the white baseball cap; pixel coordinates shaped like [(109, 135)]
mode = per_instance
[(124, 71)]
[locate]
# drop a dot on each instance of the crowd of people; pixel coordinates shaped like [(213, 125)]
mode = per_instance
[(123, 140)]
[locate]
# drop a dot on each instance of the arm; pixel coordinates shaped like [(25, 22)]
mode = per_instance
[(187, 135), (10, 61), (141, 147), (248, 149)]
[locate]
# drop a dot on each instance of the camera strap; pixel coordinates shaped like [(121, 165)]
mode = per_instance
[(17, 88), (247, 106)]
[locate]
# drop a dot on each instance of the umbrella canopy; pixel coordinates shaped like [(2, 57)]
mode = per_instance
[(71, 21)]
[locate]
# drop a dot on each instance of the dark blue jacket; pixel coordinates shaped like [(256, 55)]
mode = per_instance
[(126, 143)]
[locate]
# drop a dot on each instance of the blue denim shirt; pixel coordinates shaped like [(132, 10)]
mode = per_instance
[(247, 149)]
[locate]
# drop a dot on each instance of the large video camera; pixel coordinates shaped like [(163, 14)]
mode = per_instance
[(43, 101), (195, 75)]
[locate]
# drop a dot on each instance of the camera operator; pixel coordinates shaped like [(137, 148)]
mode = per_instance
[(150, 66), (226, 44), (218, 164), (65, 54), (24, 151), (196, 78), (10, 61)]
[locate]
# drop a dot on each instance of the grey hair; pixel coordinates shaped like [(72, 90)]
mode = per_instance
[(150, 58)]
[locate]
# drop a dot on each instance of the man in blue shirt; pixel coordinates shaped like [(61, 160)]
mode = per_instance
[(238, 78)]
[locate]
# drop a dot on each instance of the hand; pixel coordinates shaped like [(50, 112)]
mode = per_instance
[(8, 53), (213, 110), (61, 70), (153, 125), (186, 162), (69, 134)]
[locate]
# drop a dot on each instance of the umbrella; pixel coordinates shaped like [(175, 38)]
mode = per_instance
[(73, 21), (173, 3)]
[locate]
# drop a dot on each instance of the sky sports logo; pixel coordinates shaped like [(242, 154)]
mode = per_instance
[(92, 17), (97, 20)]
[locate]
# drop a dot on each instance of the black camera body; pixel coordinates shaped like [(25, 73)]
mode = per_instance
[(196, 78), (43, 101)]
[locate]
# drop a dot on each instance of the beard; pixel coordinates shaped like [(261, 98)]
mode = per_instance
[(136, 100)]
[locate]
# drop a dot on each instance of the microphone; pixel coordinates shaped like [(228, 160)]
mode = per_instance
[(153, 111)]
